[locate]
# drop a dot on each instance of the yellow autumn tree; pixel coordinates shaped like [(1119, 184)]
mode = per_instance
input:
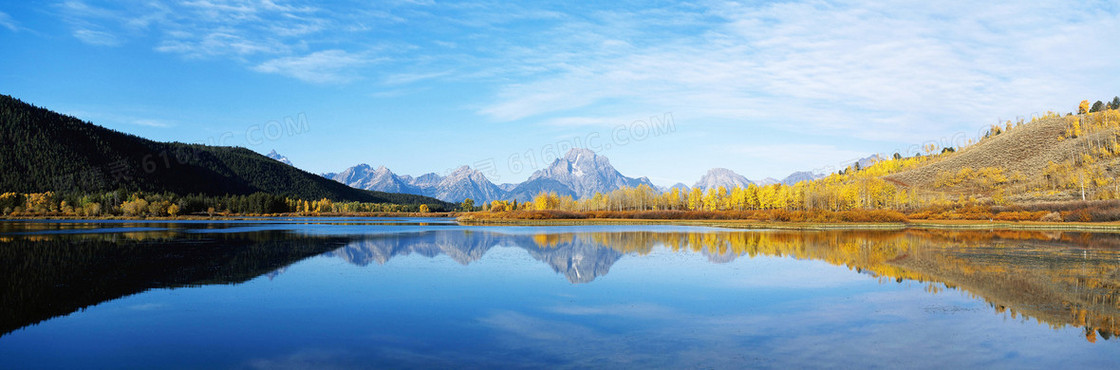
[(695, 199)]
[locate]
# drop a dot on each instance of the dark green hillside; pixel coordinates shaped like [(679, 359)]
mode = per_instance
[(41, 150)]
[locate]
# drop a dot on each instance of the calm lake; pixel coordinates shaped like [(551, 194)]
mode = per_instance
[(407, 293)]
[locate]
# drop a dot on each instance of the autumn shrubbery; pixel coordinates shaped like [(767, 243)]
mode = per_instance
[(1076, 211), (978, 212), (970, 212), (526, 215), (1090, 211), (860, 215), (777, 215), (1107, 211), (1021, 216), (1093, 214)]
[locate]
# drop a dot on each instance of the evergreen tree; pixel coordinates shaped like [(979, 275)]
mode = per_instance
[(1097, 107)]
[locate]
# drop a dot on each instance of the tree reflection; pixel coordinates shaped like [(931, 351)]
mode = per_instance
[(50, 275)]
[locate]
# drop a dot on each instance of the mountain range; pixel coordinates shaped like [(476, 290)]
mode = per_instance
[(579, 173)]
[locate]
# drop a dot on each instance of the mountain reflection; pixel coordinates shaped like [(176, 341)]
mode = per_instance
[(579, 261), (1057, 278)]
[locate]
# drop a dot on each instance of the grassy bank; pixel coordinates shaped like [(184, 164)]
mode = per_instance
[(219, 217), (774, 220), (755, 224)]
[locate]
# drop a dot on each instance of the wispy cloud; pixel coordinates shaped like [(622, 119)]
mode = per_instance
[(407, 78), (893, 70), (321, 67), (7, 22), (94, 37), (287, 38), (218, 43), (151, 123)]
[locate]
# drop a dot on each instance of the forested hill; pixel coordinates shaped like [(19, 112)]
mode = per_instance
[(41, 150)]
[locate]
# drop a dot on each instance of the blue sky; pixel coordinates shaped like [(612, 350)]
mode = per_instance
[(762, 88)]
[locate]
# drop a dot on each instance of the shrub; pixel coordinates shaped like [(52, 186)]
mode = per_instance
[(1052, 217)]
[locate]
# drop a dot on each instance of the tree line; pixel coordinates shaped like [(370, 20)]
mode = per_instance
[(141, 204)]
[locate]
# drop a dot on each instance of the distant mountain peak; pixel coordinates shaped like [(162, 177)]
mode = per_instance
[(381, 179), (463, 169), (575, 154), (282, 159), (462, 183), (800, 176), (769, 181), (583, 172), (726, 178)]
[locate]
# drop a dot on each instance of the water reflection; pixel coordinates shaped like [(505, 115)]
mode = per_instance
[(1058, 279), (51, 275), (577, 258)]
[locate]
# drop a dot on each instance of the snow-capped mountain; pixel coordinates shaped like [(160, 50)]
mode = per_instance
[(726, 178), (274, 155), (586, 173), (461, 184), (427, 180), (768, 181), (363, 176), (800, 176)]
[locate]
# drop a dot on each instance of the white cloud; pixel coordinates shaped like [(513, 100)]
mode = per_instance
[(202, 28), (321, 67), (271, 36), (867, 69), (407, 78), (7, 22), (151, 123), (94, 37), (219, 43)]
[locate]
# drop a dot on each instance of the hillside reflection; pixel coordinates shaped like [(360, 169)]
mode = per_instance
[(1059, 279), (47, 276), (1056, 278)]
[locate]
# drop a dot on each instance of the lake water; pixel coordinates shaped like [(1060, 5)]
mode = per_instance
[(408, 293)]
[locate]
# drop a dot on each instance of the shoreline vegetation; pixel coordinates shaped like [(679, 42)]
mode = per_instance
[(533, 218), (859, 219), (224, 217), (123, 204)]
